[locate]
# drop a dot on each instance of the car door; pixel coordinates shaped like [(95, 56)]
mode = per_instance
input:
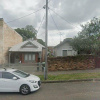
[(10, 84), (1, 82)]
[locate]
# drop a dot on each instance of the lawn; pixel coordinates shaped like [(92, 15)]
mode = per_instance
[(71, 76)]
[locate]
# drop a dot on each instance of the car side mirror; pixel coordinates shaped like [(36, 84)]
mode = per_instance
[(14, 78)]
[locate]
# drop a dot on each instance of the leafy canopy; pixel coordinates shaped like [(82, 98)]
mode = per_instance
[(29, 32), (88, 40)]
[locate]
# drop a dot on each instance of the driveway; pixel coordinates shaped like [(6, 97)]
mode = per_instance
[(60, 91)]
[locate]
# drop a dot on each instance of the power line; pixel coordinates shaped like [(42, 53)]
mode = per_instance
[(56, 26), (24, 16), (64, 18), (41, 23), (54, 22), (49, 1)]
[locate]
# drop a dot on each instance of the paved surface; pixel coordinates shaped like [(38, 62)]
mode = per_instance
[(33, 70), (60, 91), (68, 72)]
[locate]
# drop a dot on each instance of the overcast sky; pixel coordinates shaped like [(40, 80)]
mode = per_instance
[(72, 12)]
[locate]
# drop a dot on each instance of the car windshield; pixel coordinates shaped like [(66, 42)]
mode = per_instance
[(21, 73)]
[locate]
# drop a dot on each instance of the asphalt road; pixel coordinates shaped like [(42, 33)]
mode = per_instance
[(60, 91)]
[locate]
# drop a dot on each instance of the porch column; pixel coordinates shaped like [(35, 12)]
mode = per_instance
[(9, 58), (40, 57)]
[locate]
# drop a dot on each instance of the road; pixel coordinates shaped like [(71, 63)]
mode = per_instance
[(60, 91)]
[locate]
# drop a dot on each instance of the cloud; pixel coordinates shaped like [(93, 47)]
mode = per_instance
[(75, 12)]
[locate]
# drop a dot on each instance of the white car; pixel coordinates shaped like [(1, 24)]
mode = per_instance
[(13, 80)]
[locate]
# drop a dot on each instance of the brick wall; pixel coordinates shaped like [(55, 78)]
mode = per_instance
[(80, 62), (10, 38)]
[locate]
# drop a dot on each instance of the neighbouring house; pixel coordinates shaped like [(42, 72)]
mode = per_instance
[(8, 38), (29, 51), (64, 49)]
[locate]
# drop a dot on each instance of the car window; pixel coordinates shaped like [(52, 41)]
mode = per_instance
[(21, 73), (7, 75), (0, 74)]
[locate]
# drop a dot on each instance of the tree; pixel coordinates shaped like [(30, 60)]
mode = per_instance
[(88, 40), (41, 41), (29, 32), (26, 33), (31, 29)]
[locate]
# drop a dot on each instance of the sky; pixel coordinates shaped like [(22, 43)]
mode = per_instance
[(64, 16)]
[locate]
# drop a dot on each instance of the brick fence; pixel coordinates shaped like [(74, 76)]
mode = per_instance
[(79, 62)]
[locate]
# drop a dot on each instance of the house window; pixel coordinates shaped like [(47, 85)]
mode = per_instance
[(29, 57), (69, 52), (33, 57), (64, 53), (26, 57)]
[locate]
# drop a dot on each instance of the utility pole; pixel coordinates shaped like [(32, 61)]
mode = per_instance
[(46, 42)]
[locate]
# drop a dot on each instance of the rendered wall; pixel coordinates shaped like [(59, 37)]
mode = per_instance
[(1, 41), (65, 46), (10, 38)]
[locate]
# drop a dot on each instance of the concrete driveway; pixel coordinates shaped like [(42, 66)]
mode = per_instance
[(60, 91)]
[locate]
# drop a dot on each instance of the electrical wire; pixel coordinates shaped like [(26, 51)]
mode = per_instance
[(56, 25), (54, 22), (63, 18), (41, 22), (24, 16)]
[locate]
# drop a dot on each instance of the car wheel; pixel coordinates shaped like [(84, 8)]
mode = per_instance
[(24, 89)]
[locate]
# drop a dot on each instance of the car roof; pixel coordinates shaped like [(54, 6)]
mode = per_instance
[(7, 69)]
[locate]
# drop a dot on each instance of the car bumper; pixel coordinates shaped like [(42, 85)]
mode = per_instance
[(36, 86)]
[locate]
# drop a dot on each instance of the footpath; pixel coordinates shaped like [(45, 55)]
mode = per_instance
[(96, 70)]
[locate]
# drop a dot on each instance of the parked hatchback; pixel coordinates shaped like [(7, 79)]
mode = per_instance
[(13, 80)]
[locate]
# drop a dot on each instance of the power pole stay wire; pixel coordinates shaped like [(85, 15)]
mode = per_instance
[(56, 26), (63, 18)]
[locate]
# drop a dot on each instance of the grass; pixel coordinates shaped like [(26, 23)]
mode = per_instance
[(71, 76)]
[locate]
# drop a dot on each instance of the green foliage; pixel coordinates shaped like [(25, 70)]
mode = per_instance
[(41, 41), (29, 32), (31, 29), (88, 40)]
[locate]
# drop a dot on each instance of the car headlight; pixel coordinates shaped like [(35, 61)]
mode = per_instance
[(32, 81)]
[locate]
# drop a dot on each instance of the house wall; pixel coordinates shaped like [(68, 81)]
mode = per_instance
[(58, 50), (9, 38)]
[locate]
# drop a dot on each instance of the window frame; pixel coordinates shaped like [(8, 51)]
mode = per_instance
[(1, 75), (11, 74)]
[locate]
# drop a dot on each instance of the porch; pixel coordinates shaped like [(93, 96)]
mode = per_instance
[(24, 58)]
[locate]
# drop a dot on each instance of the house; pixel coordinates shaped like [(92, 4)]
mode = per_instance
[(29, 51), (64, 49), (8, 38)]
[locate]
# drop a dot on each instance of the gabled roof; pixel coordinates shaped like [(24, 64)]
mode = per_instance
[(68, 40), (37, 47)]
